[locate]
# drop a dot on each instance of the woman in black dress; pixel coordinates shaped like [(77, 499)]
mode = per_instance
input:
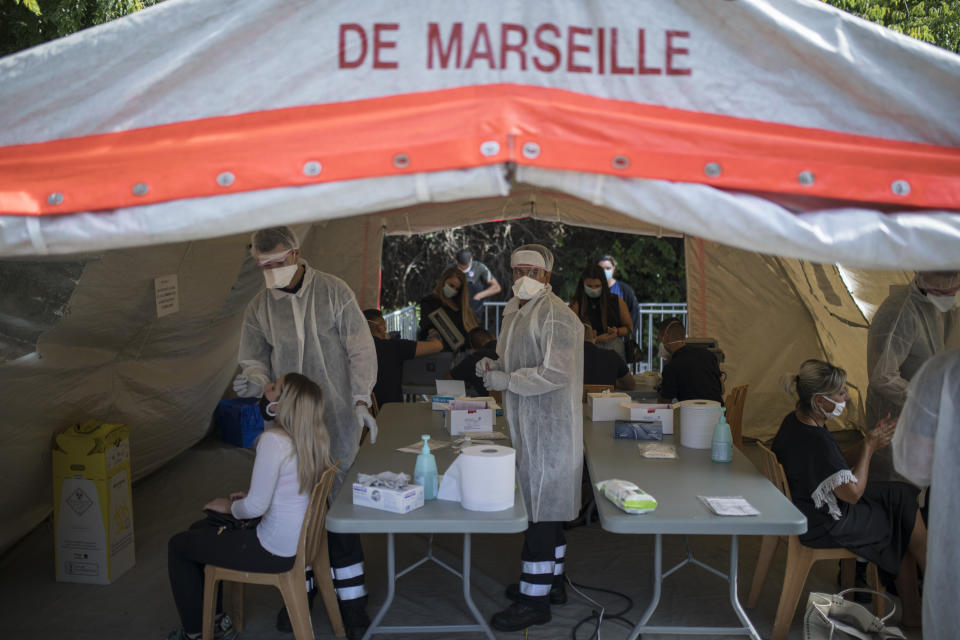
[(606, 312), (878, 521), (452, 295)]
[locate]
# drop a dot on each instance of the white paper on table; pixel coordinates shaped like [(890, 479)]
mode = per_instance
[(417, 447), (452, 388), (729, 506), (485, 435)]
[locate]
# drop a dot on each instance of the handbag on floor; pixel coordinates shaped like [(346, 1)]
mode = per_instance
[(831, 617)]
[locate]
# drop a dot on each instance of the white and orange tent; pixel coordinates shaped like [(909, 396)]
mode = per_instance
[(781, 139)]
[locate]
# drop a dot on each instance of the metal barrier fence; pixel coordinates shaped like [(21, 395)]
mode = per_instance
[(405, 322)]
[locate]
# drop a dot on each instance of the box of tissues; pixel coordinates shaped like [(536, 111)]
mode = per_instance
[(607, 406)]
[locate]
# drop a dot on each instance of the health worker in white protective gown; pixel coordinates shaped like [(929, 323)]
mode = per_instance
[(914, 323), (540, 372), (308, 322), (925, 450)]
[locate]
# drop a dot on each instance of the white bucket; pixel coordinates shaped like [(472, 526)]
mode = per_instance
[(697, 420)]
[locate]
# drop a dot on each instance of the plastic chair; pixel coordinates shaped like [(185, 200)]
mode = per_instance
[(734, 404), (311, 550), (595, 388), (799, 560)]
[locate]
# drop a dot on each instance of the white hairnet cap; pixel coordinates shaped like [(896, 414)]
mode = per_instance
[(533, 255), (938, 279), (266, 240)]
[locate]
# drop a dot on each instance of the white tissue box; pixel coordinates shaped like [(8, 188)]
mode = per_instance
[(662, 412), (459, 421), (402, 500), (607, 406)]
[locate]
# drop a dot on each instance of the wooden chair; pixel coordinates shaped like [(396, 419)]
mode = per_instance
[(734, 405), (311, 550), (799, 560), (595, 388)]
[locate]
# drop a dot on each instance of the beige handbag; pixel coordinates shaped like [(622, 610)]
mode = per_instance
[(831, 617)]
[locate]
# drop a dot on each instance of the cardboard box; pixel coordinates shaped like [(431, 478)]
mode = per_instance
[(92, 503), (459, 421), (661, 412), (402, 500), (607, 406)]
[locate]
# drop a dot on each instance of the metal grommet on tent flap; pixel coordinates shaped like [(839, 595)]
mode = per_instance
[(621, 162), (55, 198), (401, 161), (312, 168), (490, 148), (713, 169), (531, 150), (225, 179), (140, 189), (900, 187), (806, 178)]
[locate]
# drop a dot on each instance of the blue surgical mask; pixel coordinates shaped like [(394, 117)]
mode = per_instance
[(608, 273), (450, 292)]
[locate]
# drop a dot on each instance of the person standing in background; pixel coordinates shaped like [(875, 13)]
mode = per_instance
[(480, 281), (914, 323), (620, 288)]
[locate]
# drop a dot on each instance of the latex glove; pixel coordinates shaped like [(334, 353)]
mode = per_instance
[(487, 364), (495, 380), (364, 419), (246, 388)]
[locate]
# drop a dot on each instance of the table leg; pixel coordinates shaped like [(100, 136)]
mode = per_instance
[(734, 597), (466, 588), (391, 580)]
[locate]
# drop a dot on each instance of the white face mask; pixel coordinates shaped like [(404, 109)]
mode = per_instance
[(280, 277), (526, 287), (838, 408), (942, 303), (592, 292), (450, 292), (608, 273), (663, 353)]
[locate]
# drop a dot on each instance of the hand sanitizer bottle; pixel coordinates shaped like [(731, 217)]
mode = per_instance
[(722, 440), (425, 473)]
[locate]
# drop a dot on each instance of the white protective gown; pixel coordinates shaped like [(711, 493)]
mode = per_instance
[(541, 347), (906, 331), (925, 448), (319, 332)]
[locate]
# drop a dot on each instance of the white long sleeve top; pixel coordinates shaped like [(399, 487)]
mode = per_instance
[(275, 494)]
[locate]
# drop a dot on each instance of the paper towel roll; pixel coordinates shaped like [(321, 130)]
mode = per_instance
[(482, 478), (697, 420)]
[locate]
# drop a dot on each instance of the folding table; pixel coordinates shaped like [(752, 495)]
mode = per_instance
[(676, 484), (401, 424)]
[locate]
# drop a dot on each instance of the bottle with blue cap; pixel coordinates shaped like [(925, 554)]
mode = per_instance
[(722, 450), (425, 473)]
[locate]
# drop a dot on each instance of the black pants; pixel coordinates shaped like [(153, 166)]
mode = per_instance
[(346, 568), (544, 550), (188, 552)]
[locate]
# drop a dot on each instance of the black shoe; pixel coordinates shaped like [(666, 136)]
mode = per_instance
[(520, 615), (558, 593), (355, 621), (283, 618)]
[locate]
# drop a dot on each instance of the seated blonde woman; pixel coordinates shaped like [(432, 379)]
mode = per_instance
[(878, 521), (290, 459)]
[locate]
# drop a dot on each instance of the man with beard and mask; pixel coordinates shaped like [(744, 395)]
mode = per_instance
[(540, 372), (309, 322), (914, 323)]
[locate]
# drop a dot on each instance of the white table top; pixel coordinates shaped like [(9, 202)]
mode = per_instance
[(677, 483), (402, 424)]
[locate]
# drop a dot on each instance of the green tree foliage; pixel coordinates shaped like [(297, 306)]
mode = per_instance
[(25, 23), (933, 21), (412, 264)]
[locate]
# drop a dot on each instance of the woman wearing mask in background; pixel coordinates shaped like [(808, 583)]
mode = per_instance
[(878, 521), (290, 459), (606, 313), (452, 296)]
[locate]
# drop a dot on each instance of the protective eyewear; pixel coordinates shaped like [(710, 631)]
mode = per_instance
[(273, 259), (531, 272)]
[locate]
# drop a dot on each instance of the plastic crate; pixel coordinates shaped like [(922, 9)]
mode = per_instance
[(239, 420)]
